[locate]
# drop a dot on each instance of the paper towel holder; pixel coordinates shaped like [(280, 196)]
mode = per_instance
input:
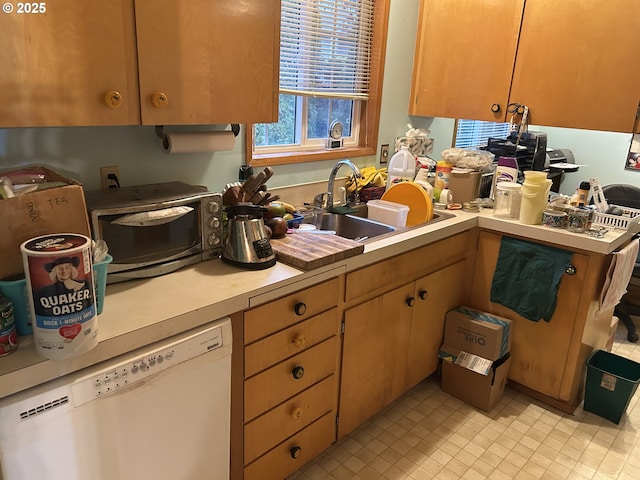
[(235, 128)]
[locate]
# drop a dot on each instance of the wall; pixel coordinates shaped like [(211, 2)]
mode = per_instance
[(80, 151)]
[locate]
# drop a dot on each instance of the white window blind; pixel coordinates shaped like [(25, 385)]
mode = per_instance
[(325, 48), (475, 133)]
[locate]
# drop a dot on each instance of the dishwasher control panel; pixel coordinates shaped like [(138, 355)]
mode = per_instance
[(135, 368)]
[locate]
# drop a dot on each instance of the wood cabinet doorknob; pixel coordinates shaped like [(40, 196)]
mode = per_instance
[(297, 372), (423, 294), (159, 100), (296, 413), (570, 269), (411, 301), (113, 99), (300, 309), (295, 451), (495, 107), (299, 341)]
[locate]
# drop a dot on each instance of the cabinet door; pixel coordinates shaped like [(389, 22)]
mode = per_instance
[(434, 295), (73, 64), (208, 61), (539, 350), (376, 335), (464, 58), (578, 64)]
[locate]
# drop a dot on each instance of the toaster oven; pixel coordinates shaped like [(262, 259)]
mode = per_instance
[(155, 229)]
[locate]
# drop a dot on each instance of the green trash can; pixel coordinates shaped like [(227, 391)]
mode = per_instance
[(611, 382)]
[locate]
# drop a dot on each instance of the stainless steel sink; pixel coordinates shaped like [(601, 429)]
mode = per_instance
[(357, 226)]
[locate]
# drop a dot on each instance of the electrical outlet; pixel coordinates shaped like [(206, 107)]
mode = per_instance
[(110, 177), (384, 153)]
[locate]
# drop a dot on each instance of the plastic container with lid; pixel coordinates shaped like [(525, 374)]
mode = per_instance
[(402, 167), (534, 201), (387, 212), (508, 197)]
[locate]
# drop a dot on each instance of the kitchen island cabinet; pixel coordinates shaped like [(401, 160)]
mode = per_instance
[(391, 339), (548, 358), (466, 65), (150, 62)]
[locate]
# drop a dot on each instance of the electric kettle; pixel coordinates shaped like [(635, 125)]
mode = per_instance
[(246, 243)]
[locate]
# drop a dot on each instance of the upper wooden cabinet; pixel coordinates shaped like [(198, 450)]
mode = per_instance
[(73, 64), (204, 61), (155, 62), (576, 64)]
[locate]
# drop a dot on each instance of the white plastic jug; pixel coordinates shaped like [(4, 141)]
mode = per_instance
[(534, 201), (402, 167)]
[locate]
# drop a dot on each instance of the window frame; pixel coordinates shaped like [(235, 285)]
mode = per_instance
[(368, 119)]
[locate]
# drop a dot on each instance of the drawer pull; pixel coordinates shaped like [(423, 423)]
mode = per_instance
[(296, 413), (300, 309), (113, 99), (160, 100), (570, 269), (298, 372), (423, 294), (299, 341), (295, 451), (411, 301)]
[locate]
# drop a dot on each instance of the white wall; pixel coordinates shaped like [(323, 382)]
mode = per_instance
[(80, 151)]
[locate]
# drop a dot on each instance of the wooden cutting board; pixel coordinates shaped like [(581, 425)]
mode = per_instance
[(312, 250)]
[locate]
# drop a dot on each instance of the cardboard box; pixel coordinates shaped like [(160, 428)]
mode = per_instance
[(482, 391), (464, 186), (54, 210), (480, 333)]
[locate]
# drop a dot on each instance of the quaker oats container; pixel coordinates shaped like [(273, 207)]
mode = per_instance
[(60, 288)]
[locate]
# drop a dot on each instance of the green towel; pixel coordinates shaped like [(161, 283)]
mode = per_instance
[(527, 277)]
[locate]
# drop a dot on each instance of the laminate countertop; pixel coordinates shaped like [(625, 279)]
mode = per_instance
[(140, 312)]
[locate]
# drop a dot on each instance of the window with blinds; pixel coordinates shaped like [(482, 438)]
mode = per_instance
[(475, 133), (326, 52), (325, 48)]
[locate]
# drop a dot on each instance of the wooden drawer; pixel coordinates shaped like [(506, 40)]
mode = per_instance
[(273, 427), (275, 348), (277, 384), (407, 267), (286, 311), (280, 462)]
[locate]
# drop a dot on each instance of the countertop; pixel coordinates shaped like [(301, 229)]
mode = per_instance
[(140, 312)]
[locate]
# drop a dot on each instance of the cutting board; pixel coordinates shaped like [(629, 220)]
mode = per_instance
[(310, 250)]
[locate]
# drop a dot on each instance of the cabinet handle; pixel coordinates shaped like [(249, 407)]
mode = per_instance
[(300, 309), (113, 99), (423, 294), (299, 341), (296, 413), (411, 301), (570, 269), (159, 100), (295, 451), (298, 372), (495, 108)]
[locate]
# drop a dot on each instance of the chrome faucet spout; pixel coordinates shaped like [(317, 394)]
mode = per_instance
[(332, 178)]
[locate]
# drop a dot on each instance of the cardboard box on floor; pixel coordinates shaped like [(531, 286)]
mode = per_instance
[(482, 391), (480, 333), (43, 212)]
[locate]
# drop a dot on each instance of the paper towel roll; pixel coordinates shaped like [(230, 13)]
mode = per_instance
[(194, 142)]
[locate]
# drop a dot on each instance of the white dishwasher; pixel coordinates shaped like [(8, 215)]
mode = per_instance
[(160, 412)]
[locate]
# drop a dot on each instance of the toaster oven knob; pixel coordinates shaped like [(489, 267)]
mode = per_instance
[(214, 239), (214, 222), (214, 207)]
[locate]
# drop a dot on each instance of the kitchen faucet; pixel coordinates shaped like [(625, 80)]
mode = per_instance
[(332, 179)]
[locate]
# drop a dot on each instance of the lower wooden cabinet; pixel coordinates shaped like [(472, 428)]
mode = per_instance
[(548, 358), (391, 340), (287, 372)]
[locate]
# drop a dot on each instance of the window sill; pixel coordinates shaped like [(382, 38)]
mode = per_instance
[(309, 156)]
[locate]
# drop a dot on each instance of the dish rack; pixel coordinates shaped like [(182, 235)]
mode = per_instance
[(622, 222)]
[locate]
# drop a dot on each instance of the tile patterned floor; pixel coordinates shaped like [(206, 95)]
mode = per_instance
[(428, 434)]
